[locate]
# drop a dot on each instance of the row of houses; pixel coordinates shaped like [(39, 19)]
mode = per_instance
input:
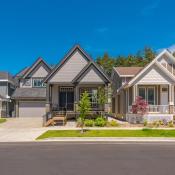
[(40, 88)]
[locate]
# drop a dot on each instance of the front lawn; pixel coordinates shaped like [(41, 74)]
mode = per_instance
[(2, 120), (108, 133)]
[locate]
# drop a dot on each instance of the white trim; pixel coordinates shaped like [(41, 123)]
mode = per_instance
[(151, 63), (154, 94), (146, 92), (6, 80), (126, 75)]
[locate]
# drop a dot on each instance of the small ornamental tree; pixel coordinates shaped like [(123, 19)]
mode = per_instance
[(140, 106), (84, 107)]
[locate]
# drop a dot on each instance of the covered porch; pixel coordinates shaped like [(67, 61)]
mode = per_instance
[(160, 97), (65, 97)]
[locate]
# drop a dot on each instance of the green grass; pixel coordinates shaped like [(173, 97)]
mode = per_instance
[(108, 133), (2, 120)]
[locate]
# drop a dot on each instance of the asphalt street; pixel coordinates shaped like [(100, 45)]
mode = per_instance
[(56, 158)]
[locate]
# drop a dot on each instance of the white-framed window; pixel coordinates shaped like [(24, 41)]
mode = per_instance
[(148, 93), (27, 82), (142, 92), (151, 95), (38, 82), (92, 95)]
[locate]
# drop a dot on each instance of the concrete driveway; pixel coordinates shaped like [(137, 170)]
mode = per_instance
[(21, 129)]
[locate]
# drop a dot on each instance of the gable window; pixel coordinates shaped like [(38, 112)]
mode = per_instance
[(27, 82), (38, 82)]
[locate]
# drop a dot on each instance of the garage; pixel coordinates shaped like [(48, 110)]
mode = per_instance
[(31, 109)]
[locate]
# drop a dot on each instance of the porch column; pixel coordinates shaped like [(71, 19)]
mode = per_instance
[(171, 99), (134, 88), (76, 97), (47, 98)]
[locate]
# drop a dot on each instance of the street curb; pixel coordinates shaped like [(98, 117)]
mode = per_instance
[(107, 139)]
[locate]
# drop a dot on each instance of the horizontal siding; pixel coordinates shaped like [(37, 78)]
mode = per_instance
[(92, 76), (70, 69), (41, 72), (153, 76)]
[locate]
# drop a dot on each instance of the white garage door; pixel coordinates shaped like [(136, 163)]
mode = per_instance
[(31, 109)]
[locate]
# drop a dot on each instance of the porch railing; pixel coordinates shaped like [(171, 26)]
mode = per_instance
[(163, 109)]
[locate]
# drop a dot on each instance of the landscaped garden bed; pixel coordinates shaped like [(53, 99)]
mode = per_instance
[(2, 120), (108, 133)]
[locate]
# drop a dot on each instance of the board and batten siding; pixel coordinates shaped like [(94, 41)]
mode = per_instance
[(154, 76), (91, 76), (55, 94), (70, 69)]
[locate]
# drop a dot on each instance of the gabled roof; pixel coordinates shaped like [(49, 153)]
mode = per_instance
[(127, 71), (22, 72), (151, 63), (66, 58), (35, 64), (85, 70)]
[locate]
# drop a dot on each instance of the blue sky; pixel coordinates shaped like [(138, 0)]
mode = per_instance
[(49, 28)]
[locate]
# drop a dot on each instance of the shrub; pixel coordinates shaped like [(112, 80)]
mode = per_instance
[(170, 124), (140, 106), (161, 122), (88, 123), (145, 122), (156, 124), (112, 123), (119, 116), (100, 122)]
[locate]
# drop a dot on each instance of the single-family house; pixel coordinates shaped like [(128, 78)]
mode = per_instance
[(7, 87), (30, 95), (44, 90), (154, 83)]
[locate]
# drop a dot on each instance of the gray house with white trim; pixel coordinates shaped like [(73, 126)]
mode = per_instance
[(30, 95), (42, 89)]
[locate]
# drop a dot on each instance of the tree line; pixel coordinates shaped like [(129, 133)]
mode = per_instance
[(140, 59)]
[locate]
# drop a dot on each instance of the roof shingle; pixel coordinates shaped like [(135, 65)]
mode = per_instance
[(39, 93), (128, 71)]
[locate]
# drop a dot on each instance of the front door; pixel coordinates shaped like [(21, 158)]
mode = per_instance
[(66, 98), (164, 95)]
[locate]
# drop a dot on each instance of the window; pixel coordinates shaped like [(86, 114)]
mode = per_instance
[(27, 82), (38, 82), (142, 92), (150, 96), (164, 89), (92, 95)]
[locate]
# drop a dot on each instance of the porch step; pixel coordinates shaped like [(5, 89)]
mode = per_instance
[(58, 119)]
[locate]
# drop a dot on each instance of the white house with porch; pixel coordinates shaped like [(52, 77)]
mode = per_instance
[(155, 83)]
